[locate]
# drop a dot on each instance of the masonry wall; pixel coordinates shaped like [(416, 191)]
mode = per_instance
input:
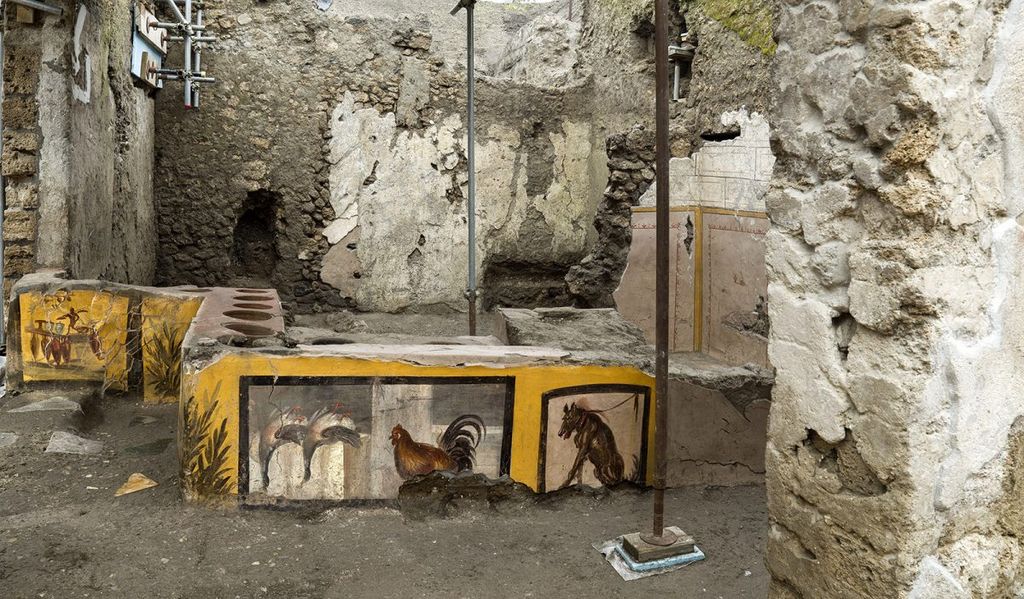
[(348, 188), (78, 146), (329, 160), (894, 464), (729, 72)]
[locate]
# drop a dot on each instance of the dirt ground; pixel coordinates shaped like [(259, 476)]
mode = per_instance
[(64, 534)]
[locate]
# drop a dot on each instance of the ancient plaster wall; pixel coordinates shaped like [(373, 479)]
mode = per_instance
[(78, 147), (729, 72), (363, 160), (564, 115), (718, 285), (894, 277)]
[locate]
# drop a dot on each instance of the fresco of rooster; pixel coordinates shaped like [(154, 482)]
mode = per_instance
[(284, 426), (455, 450), (328, 426)]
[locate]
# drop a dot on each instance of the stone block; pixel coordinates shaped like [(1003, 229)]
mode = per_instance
[(22, 194), (22, 140), (18, 250), (642, 551), (16, 267), (20, 225), (17, 164), (21, 68), (20, 112)]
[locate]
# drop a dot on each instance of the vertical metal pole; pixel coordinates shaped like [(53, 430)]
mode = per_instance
[(197, 64), (659, 535), (471, 156), (3, 187), (188, 54)]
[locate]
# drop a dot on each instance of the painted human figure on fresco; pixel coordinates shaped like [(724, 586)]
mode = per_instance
[(53, 340), (594, 441)]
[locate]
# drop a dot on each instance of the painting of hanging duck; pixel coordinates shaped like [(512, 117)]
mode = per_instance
[(290, 430)]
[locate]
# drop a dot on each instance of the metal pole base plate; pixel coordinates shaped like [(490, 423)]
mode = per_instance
[(672, 542)]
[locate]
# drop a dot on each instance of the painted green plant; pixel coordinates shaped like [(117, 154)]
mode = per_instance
[(163, 366), (203, 448)]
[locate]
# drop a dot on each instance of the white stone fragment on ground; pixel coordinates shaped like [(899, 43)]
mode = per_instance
[(57, 403), (8, 439), (62, 442)]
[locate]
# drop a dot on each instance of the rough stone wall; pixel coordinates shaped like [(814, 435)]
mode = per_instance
[(894, 284), (630, 160), (21, 143), (730, 71), (78, 144), (362, 166)]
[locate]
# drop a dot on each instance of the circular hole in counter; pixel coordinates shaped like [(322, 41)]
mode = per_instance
[(251, 298), (249, 330), (248, 315), (267, 291), (253, 306)]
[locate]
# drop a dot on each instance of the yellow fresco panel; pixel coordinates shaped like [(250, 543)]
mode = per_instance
[(75, 335), (209, 410), (165, 320)]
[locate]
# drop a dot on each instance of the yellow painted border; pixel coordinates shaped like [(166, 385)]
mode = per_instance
[(218, 383)]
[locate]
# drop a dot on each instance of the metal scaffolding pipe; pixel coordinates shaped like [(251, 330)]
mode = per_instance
[(197, 61), (176, 11), (40, 6), (188, 54)]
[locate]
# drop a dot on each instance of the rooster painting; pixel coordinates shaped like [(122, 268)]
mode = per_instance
[(455, 450), (328, 426)]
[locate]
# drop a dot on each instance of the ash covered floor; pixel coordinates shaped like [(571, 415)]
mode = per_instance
[(64, 534)]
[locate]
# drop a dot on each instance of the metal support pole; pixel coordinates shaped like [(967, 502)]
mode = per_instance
[(188, 53), (176, 12), (471, 291), (40, 6), (659, 536), (197, 62)]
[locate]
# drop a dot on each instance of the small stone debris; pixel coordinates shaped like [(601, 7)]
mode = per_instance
[(50, 404), (62, 442), (7, 439), (136, 482)]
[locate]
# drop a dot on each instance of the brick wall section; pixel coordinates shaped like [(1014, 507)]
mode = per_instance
[(21, 143)]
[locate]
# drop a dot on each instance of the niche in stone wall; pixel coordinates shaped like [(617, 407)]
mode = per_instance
[(254, 249)]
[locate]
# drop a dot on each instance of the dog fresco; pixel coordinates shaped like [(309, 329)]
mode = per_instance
[(594, 435), (345, 438)]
